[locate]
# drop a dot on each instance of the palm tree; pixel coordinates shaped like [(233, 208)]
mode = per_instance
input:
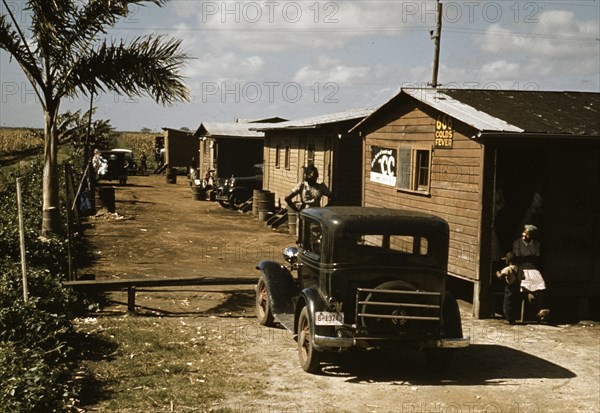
[(65, 52)]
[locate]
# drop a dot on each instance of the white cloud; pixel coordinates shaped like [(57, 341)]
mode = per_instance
[(226, 66), (557, 34), (277, 26), (330, 70), (500, 70)]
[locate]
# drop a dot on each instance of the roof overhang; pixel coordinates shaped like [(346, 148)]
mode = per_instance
[(461, 111), (319, 121), (494, 135), (444, 103), (237, 130)]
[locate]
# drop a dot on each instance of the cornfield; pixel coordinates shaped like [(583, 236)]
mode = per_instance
[(139, 143), (18, 140)]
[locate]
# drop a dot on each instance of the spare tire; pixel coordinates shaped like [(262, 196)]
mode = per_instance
[(386, 325)]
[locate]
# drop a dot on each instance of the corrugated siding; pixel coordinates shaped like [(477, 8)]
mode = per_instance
[(454, 184)]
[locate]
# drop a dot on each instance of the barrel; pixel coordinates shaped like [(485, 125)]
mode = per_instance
[(265, 203), (292, 222), (105, 198), (171, 175), (198, 193), (264, 215), (256, 195)]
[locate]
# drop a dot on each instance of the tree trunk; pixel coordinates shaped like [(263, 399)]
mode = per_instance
[(50, 181)]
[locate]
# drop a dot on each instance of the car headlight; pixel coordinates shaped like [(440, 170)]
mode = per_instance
[(232, 182)]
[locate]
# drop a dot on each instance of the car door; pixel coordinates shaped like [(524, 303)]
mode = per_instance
[(311, 234)]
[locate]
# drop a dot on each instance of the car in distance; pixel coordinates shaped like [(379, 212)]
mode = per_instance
[(121, 164), (232, 193), (363, 277)]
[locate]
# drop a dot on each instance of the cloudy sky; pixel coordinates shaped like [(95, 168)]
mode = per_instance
[(256, 59)]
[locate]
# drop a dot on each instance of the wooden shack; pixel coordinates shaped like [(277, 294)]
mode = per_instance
[(180, 148), (322, 141), (231, 148), (489, 161)]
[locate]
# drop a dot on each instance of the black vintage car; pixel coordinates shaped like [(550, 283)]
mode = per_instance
[(365, 278), (235, 191), (120, 164)]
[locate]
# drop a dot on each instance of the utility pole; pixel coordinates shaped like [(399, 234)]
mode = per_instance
[(436, 37)]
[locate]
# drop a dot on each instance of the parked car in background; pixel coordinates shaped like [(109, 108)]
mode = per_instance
[(130, 165), (363, 278), (235, 191), (120, 164)]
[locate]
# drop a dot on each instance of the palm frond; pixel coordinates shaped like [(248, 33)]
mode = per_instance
[(149, 65), (11, 41), (64, 29), (95, 16)]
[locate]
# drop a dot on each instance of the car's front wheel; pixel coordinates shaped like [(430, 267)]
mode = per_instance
[(263, 304), (237, 200), (310, 359)]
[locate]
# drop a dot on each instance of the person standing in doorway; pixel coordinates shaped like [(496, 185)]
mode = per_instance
[(527, 252)]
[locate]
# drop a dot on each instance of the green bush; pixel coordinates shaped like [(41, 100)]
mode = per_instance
[(46, 253), (37, 353), (35, 359)]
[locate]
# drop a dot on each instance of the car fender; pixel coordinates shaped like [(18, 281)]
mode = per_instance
[(281, 287), (451, 321), (313, 299), (240, 190)]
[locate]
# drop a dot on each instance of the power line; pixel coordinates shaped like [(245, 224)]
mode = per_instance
[(358, 29)]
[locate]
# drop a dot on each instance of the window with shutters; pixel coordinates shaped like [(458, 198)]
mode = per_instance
[(414, 166)]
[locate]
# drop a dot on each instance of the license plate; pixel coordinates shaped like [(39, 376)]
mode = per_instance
[(327, 318)]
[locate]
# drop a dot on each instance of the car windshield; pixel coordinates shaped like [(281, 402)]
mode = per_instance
[(385, 249)]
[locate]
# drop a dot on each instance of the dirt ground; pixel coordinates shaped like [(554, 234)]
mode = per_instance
[(158, 230)]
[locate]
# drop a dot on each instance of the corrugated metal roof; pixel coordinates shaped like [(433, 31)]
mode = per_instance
[(317, 121), (229, 129), (480, 120), (508, 111)]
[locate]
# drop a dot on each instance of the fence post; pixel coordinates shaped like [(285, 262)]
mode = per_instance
[(69, 201), (22, 240)]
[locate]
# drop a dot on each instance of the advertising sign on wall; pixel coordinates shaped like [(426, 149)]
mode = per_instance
[(383, 165), (444, 132)]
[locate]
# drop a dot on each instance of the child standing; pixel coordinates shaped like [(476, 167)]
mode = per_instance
[(510, 276)]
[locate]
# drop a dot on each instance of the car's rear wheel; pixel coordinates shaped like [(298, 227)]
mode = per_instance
[(310, 359), (263, 304), (224, 204)]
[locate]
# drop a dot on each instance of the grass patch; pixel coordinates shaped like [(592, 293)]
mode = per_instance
[(153, 365)]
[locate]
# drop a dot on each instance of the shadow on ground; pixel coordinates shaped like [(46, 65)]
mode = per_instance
[(479, 364)]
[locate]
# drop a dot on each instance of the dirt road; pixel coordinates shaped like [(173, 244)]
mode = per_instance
[(159, 230)]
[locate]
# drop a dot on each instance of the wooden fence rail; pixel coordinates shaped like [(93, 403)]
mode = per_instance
[(92, 286)]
